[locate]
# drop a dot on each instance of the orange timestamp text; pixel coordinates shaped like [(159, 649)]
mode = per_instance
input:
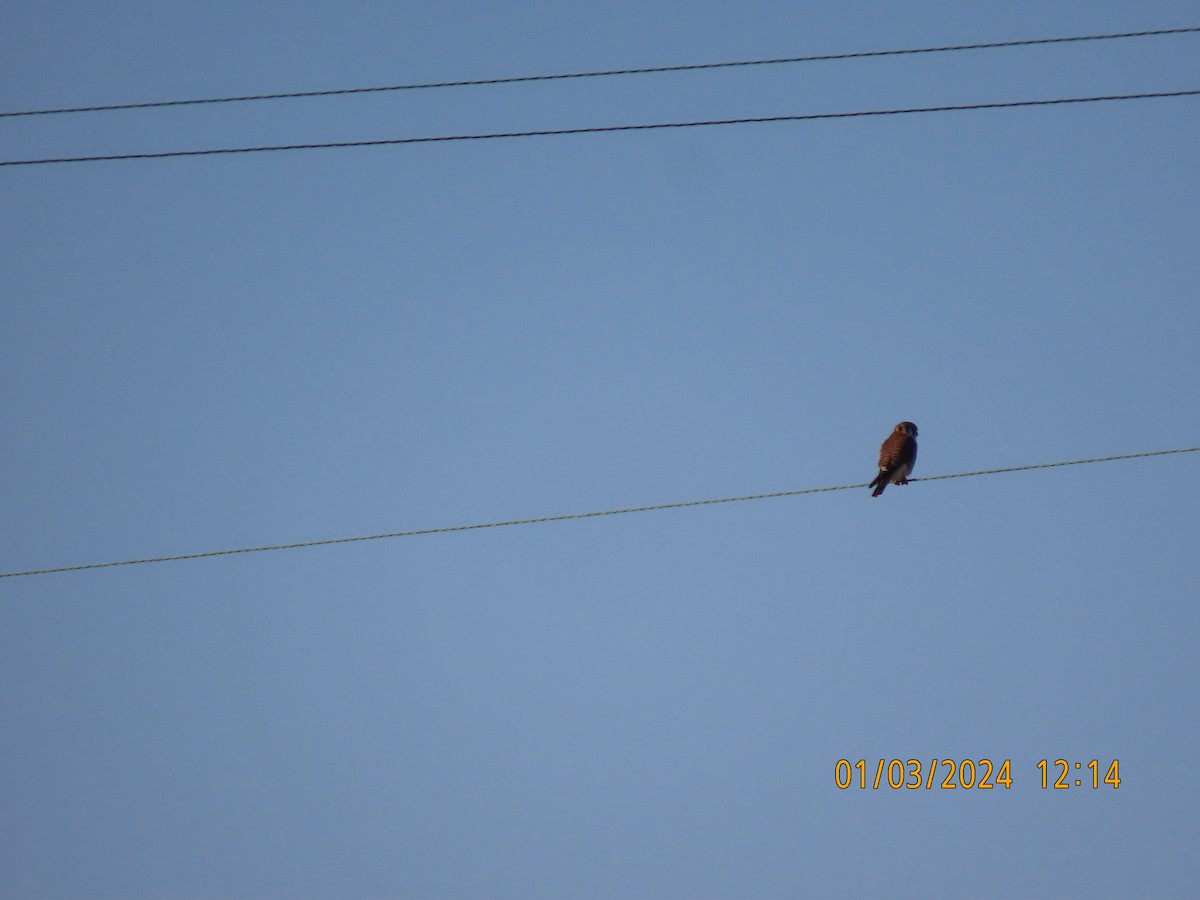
[(968, 774)]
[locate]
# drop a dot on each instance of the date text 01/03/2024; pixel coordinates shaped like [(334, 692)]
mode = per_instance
[(981, 774)]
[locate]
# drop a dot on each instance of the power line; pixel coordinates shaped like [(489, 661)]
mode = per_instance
[(598, 129), (603, 73), (584, 515)]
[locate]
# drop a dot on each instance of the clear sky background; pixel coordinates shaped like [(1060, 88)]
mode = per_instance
[(227, 351)]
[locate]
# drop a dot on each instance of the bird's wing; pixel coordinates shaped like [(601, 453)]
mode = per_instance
[(892, 450)]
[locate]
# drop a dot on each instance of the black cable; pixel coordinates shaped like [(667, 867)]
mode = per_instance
[(826, 57), (1007, 104)]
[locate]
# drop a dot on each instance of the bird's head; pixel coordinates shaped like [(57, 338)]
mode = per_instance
[(908, 428)]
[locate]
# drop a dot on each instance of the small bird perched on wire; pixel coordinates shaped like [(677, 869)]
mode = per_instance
[(897, 457)]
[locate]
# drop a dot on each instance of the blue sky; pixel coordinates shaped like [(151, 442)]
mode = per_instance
[(217, 352)]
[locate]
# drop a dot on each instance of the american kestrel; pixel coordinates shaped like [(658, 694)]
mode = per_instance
[(897, 457)]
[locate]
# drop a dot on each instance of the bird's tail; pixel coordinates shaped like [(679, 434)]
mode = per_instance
[(879, 484)]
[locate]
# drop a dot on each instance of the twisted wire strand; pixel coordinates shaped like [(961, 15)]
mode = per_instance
[(645, 70), (582, 515)]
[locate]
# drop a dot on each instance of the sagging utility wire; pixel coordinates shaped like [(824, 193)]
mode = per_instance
[(598, 129), (602, 73), (584, 515)]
